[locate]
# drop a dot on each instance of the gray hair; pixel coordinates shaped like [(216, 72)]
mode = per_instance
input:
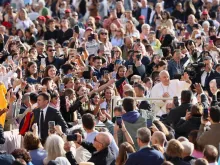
[(188, 147), (145, 26), (144, 134), (205, 23)]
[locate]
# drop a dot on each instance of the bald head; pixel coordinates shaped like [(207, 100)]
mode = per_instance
[(158, 137), (210, 153), (104, 138)]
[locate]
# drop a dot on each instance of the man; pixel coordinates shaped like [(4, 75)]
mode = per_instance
[(201, 161), (145, 153), (140, 91), (44, 114), (158, 138), (178, 12), (141, 20), (176, 64), (97, 67), (40, 46), (211, 154), (188, 151), (213, 86), (208, 74), (167, 89), (144, 10), (100, 150), (175, 114), (211, 136), (88, 121), (132, 119), (138, 67), (128, 46), (205, 17), (51, 59), (52, 32)]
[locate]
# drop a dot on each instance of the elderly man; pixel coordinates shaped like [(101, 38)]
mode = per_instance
[(145, 155), (167, 89), (187, 152), (213, 86), (101, 153), (159, 138), (211, 154)]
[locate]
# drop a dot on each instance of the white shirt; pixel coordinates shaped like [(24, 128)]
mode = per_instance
[(174, 89), (82, 155), (44, 113), (215, 163), (203, 77)]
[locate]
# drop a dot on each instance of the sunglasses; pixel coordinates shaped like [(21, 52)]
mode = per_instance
[(103, 33), (199, 38), (90, 25), (98, 141), (51, 50)]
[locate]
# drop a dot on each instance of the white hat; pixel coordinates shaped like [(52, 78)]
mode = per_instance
[(198, 35), (210, 1)]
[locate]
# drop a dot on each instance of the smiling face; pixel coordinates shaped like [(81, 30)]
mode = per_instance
[(52, 72), (33, 69), (121, 72)]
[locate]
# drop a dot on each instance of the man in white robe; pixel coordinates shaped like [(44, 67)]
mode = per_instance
[(167, 89)]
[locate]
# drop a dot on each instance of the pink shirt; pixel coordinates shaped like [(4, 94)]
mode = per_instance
[(197, 154)]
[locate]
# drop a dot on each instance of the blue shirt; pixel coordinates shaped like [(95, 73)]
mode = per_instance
[(144, 12), (38, 156)]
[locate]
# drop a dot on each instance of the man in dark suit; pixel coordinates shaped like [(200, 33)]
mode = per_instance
[(207, 75), (146, 154), (44, 114), (145, 11), (175, 114)]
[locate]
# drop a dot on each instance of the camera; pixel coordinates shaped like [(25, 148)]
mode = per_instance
[(80, 50)]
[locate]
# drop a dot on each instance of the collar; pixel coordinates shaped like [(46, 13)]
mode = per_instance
[(143, 147)]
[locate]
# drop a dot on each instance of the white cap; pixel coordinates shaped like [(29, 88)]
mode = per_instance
[(210, 1), (198, 35)]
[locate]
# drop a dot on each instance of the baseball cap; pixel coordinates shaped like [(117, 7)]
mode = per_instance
[(42, 18), (141, 17), (205, 12), (67, 11)]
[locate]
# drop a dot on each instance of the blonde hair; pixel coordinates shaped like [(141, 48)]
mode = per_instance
[(132, 26), (54, 147), (174, 148), (25, 14)]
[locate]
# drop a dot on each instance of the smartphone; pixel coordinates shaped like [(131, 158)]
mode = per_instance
[(114, 75), (175, 101), (91, 37), (149, 123), (119, 121), (205, 114), (180, 45), (61, 71), (80, 50), (118, 62), (43, 61), (61, 87), (138, 41), (87, 81), (71, 137), (105, 72), (76, 29), (82, 81), (9, 58), (130, 67), (138, 56), (51, 126)]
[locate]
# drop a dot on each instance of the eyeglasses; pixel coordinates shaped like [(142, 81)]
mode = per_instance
[(98, 141), (199, 38), (90, 25), (51, 50), (103, 33)]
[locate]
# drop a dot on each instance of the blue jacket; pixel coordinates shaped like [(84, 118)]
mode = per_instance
[(145, 156)]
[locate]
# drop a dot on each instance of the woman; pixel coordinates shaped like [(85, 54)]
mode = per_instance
[(65, 33), (131, 31), (189, 9), (154, 61), (161, 65), (113, 30), (199, 42), (40, 31), (156, 13), (22, 21), (174, 152), (192, 121), (50, 71), (121, 77), (91, 23), (33, 146), (21, 35), (118, 38), (119, 9), (206, 26), (22, 154), (54, 147), (145, 32), (125, 150), (166, 20), (197, 153), (29, 37), (103, 38), (31, 73)]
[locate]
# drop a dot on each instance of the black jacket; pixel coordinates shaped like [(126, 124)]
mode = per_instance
[(51, 115), (103, 157), (177, 161), (175, 114), (184, 127), (2, 138)]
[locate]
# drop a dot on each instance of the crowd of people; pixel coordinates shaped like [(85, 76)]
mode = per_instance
[(65, 63)]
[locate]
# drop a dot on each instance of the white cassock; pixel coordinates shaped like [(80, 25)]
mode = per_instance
[(174, 89)]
